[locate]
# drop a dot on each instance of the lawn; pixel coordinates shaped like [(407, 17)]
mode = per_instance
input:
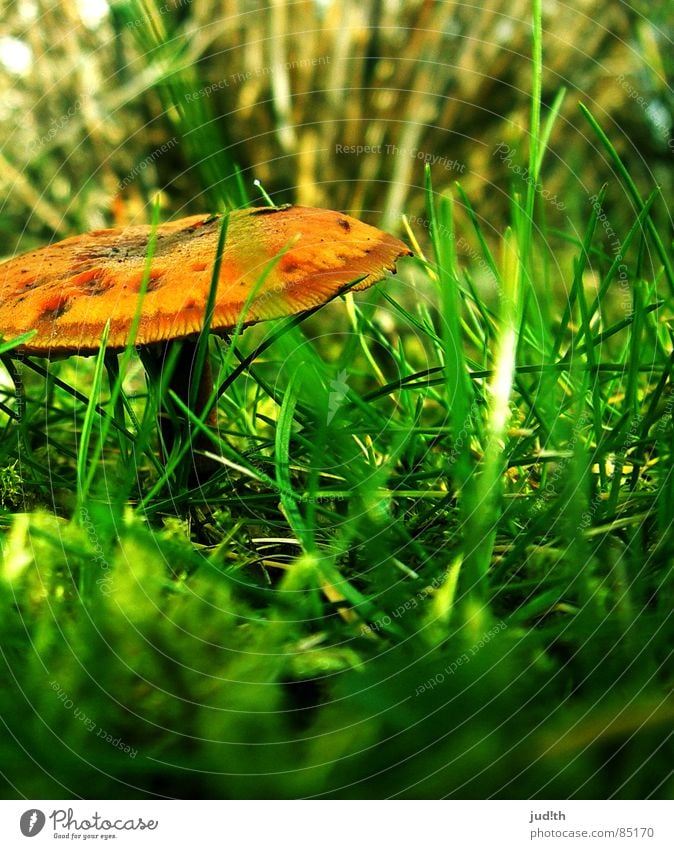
[(434, 557)]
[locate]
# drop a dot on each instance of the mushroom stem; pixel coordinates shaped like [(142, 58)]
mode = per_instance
[(182, 381), (181, 384)]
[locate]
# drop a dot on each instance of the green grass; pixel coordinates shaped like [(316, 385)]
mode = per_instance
[(435, 558)]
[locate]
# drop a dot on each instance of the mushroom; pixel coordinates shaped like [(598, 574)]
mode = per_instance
[(67, 291)]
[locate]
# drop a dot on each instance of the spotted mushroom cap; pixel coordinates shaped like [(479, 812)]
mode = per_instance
[(68, 290)]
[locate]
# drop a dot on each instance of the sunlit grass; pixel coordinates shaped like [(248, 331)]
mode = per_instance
[(433, 557)]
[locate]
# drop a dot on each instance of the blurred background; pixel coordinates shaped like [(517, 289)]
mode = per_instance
[(105, 106), (335, 104)]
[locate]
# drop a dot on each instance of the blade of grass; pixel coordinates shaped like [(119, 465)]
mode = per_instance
[(10, 344), (101, 411), (553, 114), (634, 192), (125, 358), (89, 415), (482, 509), (455, 368), (282, 446), (202, 344), (190, 114), (637, 227), (630, 404), (86, 574)]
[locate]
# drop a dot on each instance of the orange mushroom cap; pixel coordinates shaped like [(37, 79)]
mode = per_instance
[(68, 290)]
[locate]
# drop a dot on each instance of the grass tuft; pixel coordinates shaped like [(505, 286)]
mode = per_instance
[(433, 557)]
